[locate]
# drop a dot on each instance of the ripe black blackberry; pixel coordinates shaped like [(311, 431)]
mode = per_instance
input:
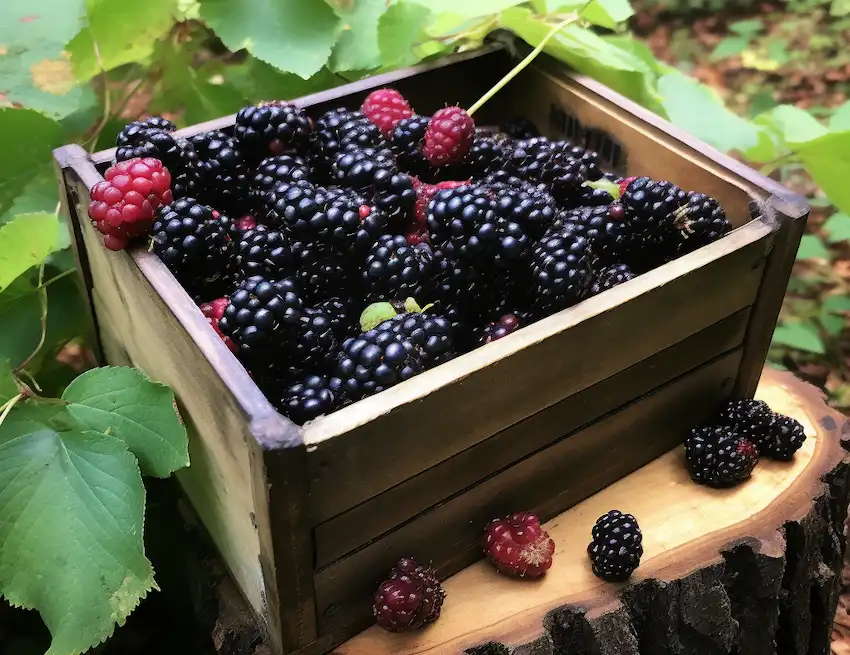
[(273, 171), (337, 130), (323, 272), (616, 546), (308, 399), (486, 155), (718, 456), (749, 417), (258, 312), (313, 344), (358, 133), (557, 164), (650, 207), (222, 169), (604, 228), (560, 270), (336, 218), (342, 313), (135, 131), (590, 196), (697, 223), (520, 127), (406, 143), (151, 142), (456, 218), (430, 333), (272, 129), (374, 361), (785, 437), (499, 329), (264, 252), (394, 269), (374, 174), (194, 243), (534, 212), (609, 277)]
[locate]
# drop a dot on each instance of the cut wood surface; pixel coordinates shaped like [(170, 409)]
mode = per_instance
[(751, 570)]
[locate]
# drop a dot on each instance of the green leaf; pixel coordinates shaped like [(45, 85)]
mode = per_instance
[(840, 119), (118, 33), (730, 47), (591, 55), (608, 13), (469, 8), (837, 227), (777, 51), (39, 195), (256, 80), (837, 303), (795, 125), (834, 325), (640, 50), (357, 47), (8, 388), (124, 403), (28, 139), (827, 160), (398, 30), (34, 71), (295, 36), (696, 109), (25, 242), (811, 247), (839, 8), (71, 522), (20, 316), (747, 27), (799, 336)]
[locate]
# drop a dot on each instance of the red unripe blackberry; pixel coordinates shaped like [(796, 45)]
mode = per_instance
[(123, 205), (518, 545), (410, 599), (213, 311), (616, 546), (385, 108), (449, 136)]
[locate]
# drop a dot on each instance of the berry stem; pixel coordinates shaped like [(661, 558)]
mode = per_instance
[(525, 62)]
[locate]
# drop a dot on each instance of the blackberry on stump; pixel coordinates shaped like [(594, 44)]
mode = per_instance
[(410, 599), (718, 456), (616, 546), (785, 437)]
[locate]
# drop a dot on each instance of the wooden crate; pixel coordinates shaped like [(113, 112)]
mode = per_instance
[(309, 520)]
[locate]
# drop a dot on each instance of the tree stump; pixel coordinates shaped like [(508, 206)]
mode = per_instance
[(752, 570)]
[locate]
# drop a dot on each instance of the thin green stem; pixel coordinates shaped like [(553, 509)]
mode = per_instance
[(7, 407), (33, 383), (525, 62), (70, 271), (42, 299)]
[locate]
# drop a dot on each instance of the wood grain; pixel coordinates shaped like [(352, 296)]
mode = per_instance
[(370, 520), (552, 479), (358, 452), (719, 574)]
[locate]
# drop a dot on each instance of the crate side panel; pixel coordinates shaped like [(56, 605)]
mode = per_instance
[(364, 523), (375, 455), (564, 109), (138, 329), (548, 482)]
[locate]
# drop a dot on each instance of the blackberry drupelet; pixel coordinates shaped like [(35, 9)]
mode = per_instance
[(520, 127), (609, 277), (272, 129), (431, 333), (258, 312), (376, 360), (604, 227), (616, 546), (222, 169), (194, 243), (697, 223), (560, 270), (650, 207), (396, 270), (308, 399), (718, 456), (273, 171), (406, 143), (785, 437), (264, 252)]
